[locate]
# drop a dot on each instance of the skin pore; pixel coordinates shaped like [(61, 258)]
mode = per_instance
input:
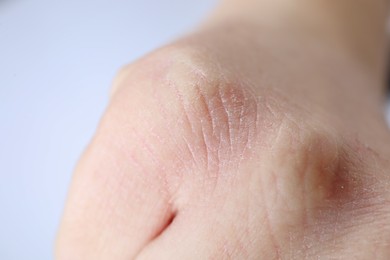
[(260, 135)]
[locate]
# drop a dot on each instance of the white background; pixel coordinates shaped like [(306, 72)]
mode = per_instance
[(57, 60)]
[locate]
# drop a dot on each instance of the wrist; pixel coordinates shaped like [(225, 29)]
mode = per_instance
[(358, 27)]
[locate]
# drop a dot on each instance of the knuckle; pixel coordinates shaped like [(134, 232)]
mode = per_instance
[(212, 119), (222, 119)]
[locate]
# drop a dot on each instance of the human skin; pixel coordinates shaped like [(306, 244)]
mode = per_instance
[(259, 136)]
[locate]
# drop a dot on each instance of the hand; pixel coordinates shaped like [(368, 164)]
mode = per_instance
[(241, 141)]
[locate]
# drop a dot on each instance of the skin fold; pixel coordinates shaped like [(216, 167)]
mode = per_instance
[(260, 135)]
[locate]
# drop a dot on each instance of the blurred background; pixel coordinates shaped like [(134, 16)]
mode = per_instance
[(57, 61)]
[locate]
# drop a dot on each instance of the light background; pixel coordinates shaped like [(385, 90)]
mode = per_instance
[(57, 61)]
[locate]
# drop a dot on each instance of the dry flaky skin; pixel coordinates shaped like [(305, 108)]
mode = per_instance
[(227, 145)]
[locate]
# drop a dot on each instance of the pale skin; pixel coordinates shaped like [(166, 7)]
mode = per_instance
[(259, 136)]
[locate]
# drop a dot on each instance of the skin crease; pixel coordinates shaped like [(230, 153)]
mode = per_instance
[(259, 136)]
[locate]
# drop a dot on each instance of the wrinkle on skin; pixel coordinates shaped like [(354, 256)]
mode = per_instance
[(222, 117)]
